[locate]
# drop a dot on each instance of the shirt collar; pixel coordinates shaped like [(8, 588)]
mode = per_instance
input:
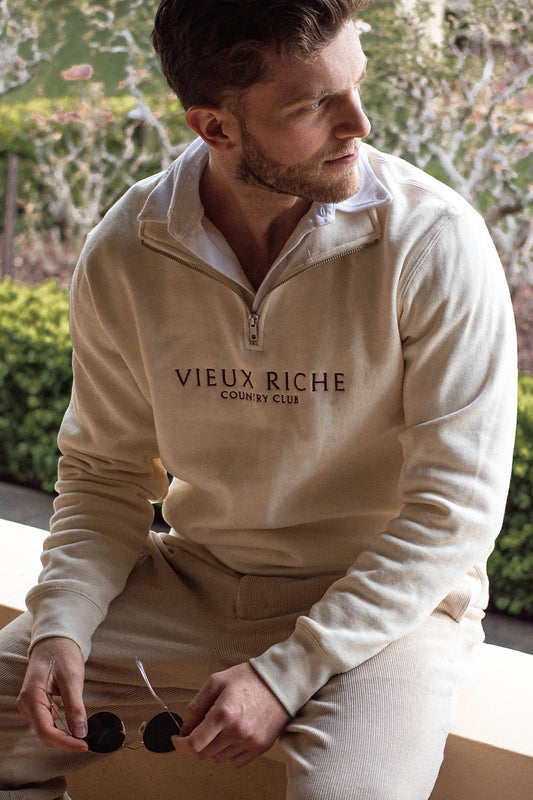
[(176, 198), (176, 202)]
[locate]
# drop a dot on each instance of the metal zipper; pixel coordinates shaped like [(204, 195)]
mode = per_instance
[(253, 328), (309, 267), (196, 268), (253, 314), (253, 318)]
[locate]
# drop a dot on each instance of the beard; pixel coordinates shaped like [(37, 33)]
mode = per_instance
[(308, 179)]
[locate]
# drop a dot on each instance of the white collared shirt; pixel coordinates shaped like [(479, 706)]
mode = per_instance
[(188, 223)]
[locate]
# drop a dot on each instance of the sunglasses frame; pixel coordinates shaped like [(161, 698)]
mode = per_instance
[(59, 717)]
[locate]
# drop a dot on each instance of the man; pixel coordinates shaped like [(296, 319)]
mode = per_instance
[(316, 341)]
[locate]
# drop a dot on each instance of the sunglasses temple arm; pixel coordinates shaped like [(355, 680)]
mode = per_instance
[(55, 710), (152, 691)]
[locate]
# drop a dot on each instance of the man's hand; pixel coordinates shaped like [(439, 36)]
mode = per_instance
[(234, 717), (66, 688)]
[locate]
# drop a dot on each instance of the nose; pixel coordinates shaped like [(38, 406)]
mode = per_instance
[(352, 121)]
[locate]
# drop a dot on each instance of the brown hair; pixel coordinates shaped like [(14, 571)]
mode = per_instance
[(210, 48)]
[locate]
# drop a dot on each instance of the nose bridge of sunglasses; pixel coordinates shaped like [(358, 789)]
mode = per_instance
[(107, 733)]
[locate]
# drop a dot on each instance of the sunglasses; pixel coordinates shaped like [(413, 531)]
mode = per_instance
[(106, 732)]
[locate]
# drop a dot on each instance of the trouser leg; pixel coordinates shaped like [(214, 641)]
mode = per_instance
[(162, 617), (28, 769), (21, 753), (185, 616), (375, 733), (378, 732)]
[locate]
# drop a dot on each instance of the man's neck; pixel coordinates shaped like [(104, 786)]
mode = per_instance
[(255, 222)]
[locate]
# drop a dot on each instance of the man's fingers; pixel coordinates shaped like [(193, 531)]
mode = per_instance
[(227, 745), (234, 717), (214, 732), (200, 705), (41, 716), (201, 741), (234, 755), (51, 695), (74, 710), (244, 758), (223, 735), (67, 678)]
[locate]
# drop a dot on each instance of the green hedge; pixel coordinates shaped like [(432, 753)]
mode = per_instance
[(511, 563), (18, 120), (35, 379), (98, 129)]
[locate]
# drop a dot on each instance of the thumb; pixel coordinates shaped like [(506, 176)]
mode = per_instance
[(200, 705), (68, 681), (193, 716), (75, 713)]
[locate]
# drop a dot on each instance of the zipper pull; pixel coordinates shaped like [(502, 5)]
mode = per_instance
[(253, 321)]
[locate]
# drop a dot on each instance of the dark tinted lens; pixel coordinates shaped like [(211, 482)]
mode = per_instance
[(156, 736), (106, 732)]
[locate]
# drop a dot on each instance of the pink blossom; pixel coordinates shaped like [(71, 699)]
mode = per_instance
[(78, 72)]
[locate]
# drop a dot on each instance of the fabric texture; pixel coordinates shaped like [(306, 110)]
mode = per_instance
[(375, 732)]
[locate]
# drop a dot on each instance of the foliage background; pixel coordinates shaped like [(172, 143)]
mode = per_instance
[(457, 104), (511, 564), (35, 379)]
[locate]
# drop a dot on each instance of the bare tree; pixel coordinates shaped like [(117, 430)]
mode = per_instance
[(123, 29), (21, 27), (85, 156), (459, 109), (83, 160)]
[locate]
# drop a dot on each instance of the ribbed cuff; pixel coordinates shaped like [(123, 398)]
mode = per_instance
[(63, 613), (294, 669)]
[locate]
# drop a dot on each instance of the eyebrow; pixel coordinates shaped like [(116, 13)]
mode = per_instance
[(321, 93)]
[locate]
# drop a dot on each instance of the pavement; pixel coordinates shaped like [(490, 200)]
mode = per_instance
[(31, 507)]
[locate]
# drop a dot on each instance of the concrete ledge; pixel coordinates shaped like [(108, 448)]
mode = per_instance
[(489, 754), (138, 774), (20, 564)]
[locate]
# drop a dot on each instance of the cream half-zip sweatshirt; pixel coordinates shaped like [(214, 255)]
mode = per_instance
[(353, 419)]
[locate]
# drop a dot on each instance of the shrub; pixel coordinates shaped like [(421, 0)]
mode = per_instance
[(64, 144), (511, 563), (35, 379)]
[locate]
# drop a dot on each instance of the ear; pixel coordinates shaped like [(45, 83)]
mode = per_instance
[(216, 126)]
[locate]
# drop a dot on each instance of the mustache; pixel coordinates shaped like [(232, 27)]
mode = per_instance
[(342, 154)]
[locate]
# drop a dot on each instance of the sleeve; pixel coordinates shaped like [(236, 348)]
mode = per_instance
[(109, 473), (457, 329)]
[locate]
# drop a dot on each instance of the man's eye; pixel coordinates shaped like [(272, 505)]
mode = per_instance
[(317, 104)]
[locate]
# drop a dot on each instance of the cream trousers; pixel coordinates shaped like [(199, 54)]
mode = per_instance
[(374, 733)]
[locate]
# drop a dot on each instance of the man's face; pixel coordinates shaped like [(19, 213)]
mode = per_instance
[(301, 129)]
